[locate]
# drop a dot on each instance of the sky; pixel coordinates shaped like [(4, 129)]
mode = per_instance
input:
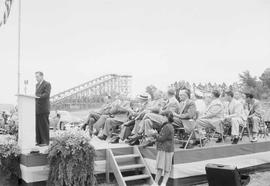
[(157, 42)]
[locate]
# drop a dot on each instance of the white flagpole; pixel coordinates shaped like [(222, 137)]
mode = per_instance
[(19, 47)]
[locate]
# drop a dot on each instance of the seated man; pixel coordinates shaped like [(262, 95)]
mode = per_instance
[(132, 124), (101, 115), (235, 116), (254, 114), (187, 111), (213, 115), (158, 119), (121, 114), (149, 107)]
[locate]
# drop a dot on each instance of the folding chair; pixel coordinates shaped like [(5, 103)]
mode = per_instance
[(266, 120), (262, 129), (244, 128), (211, 133), (184, 136)]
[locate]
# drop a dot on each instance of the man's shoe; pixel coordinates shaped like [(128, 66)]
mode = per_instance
[(189, 146), (104, 137), (114, 134), (115, 140), (219, 140), (235, 140), (254, 139), (43, 145), (132, 136), (148, 144), (183, 145), (137, 137), (136, 142)]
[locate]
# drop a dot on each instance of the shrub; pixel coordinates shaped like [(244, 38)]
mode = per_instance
[(9, 129), (71, 160), (9, 157)]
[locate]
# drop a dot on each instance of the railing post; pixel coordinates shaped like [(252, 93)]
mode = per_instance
[(107, 166)]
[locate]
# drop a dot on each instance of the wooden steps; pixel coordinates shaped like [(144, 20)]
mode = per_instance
[(128, 166), (128, 156), (136, 177), (131, 167)]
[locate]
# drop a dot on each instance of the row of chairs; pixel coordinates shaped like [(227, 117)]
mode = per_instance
[(186, 138)]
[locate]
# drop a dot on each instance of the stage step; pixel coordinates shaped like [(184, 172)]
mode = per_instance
[(128, 156), (130, 167), (136, 177), (137, 166)]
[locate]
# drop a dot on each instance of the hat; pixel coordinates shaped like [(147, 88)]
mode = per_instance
[(144, 97)]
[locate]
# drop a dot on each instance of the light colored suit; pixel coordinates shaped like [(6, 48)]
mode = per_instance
[(116, 109), (213, 116), (236, 116)]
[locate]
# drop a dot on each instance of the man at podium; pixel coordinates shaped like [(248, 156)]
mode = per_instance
[(43, 90)]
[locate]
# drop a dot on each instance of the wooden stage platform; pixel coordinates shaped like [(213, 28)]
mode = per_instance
[(188, 165)]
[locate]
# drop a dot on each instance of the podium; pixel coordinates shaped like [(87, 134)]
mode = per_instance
[(34, 167), (27, 121)]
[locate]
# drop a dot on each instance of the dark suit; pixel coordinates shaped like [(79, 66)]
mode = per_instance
[(43, 91), (187, 112)]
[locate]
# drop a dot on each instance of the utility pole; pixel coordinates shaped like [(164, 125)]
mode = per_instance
[(19, 47)]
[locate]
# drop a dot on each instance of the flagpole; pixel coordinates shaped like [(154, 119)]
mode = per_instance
[(19, 47)]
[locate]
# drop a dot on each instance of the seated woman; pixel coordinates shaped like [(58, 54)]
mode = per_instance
[(213, 115)]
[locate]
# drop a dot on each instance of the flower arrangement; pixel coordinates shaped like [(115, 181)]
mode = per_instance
[(10, 128), (71, 160), (9, 158)]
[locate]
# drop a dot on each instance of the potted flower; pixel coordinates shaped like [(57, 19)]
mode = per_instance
[(9, 161), (71, 160)]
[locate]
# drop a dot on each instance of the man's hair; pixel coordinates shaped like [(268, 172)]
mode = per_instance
[(39, 73), (249, 95), (229, 93), (216, 93)]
